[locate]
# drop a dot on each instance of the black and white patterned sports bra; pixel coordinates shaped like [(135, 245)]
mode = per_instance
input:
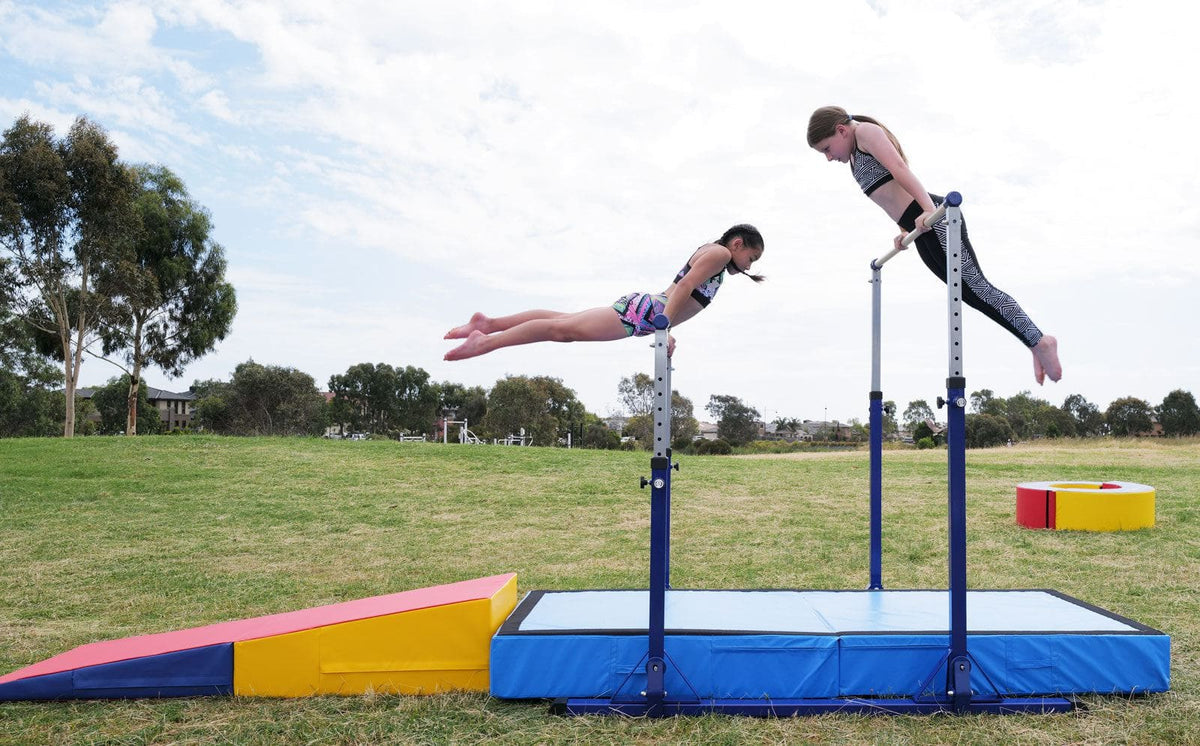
[(705, 291), (868, 172)]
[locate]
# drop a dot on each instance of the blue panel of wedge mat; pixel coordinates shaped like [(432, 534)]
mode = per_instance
[(184, 673)]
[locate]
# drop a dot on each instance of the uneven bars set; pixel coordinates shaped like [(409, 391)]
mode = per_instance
[(956, 695)]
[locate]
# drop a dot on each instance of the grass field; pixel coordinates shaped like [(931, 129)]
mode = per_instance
[(110, 537)]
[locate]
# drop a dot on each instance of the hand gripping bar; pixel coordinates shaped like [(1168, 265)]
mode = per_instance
[(953, 198)]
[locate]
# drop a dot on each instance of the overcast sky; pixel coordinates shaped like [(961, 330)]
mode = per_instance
[(376, 171)]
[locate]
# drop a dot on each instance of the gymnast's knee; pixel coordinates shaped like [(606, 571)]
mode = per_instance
[(561, 330)]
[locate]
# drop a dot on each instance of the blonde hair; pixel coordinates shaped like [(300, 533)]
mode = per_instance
[(824, 121)]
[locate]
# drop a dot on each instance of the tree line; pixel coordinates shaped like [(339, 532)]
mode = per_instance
[(388, 401), (399, 401), (995, 420), (403, 401)]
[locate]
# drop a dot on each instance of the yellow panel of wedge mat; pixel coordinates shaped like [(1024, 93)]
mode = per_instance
[(422, 651)]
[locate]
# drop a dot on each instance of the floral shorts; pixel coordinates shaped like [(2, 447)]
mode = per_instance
[(637, 312)]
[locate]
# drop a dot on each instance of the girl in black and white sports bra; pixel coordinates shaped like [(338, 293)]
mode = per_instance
[(878, 164)]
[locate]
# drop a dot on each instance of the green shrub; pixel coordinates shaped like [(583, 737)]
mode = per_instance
[(681, 445), (716, 447)]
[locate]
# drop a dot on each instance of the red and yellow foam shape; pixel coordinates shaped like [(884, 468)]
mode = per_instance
[(1085, 506), (419, 641)]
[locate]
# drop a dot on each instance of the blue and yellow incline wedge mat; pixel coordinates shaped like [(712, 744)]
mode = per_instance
[(414, 642)]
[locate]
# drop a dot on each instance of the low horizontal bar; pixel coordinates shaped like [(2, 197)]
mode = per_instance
[(937, 215)]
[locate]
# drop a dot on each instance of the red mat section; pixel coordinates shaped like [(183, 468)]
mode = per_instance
[(1035, 508)]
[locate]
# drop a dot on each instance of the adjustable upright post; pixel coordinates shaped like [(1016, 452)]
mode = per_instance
[(876, 426), (959, 694), (662, 440), (958, 674), (660, 519)]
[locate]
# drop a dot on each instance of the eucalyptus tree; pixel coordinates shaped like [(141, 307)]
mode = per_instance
[(637, 394), (541, 406), (384, 399), (736, 420), (915, 413), (65, 212), (1129, 416), (1179, 414), (169, 300), (261, 400), (1089, 420)]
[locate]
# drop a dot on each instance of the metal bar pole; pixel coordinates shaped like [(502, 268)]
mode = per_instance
[(660, 529), (958, 685), (668, 413), (662, 387), (876, 424)]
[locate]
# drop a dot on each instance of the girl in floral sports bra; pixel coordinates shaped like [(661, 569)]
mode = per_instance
[(878, 164), (632, 315)]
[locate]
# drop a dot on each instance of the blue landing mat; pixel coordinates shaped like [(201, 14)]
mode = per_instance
[(813, 644)]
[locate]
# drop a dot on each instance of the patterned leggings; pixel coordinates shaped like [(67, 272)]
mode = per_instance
[(979, 294)]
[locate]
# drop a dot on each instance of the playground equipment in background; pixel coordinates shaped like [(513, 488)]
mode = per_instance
[(466, 436), (464, 433), (520, 439)]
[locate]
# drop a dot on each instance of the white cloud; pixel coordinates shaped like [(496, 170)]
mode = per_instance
[(217, 103)]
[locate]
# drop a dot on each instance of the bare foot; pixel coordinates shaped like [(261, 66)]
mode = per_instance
[(478, 322), (467, 349), (1045, 360)]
